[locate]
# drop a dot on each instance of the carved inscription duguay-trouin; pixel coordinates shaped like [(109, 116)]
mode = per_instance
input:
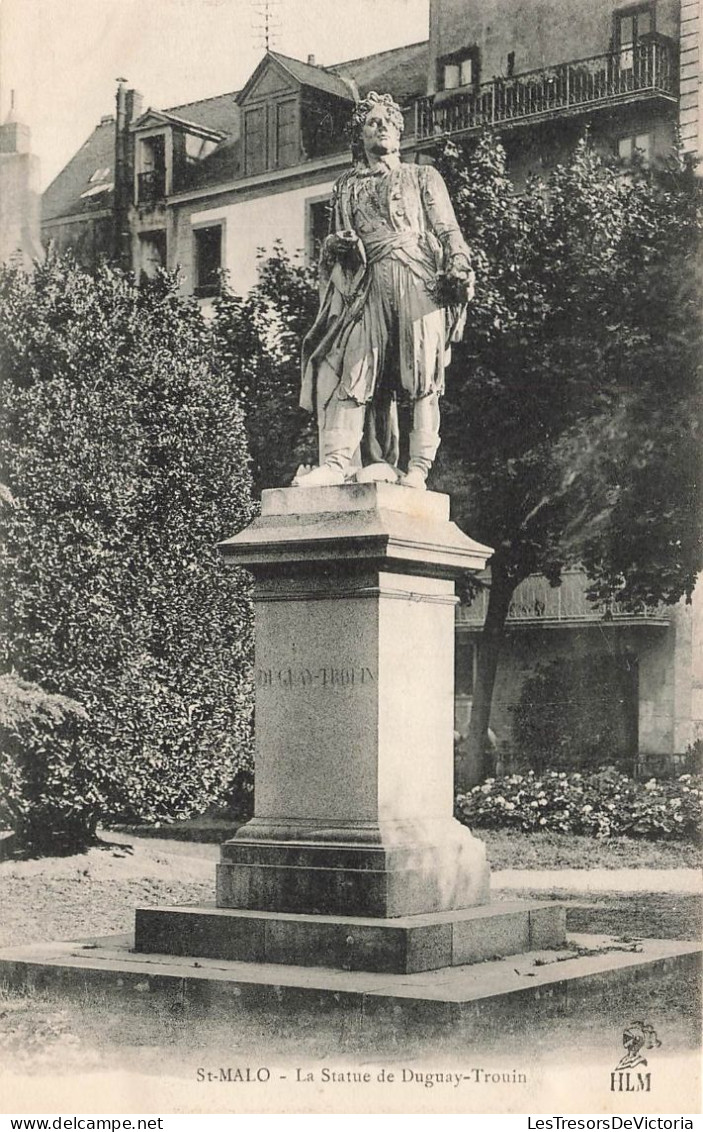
[(329, 678)]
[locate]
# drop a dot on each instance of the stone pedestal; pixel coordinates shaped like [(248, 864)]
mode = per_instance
[(353, 859), (354, 606)]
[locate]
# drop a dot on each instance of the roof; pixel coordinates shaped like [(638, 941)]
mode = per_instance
[(320, 78), (63, 196), (402, 71), (167, 118), (223, 164), (219, 113)]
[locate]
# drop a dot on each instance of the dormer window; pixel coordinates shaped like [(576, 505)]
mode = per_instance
[(291, 111), (459, 70), (286, 133), (271, 136), (255, 146), (151, 176)]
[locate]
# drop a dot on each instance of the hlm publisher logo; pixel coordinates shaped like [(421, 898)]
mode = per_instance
[(631, 1074)]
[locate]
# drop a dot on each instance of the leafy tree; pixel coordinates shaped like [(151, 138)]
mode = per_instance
[(571, 425), (571, 430), (125, 455), (258, 339)]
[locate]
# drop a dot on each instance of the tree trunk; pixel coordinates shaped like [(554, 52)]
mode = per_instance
[(476, 762)]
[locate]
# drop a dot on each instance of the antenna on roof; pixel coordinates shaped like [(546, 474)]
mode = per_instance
[(264, 24)]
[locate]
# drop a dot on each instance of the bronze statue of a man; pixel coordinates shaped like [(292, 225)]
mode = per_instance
[(395, 277)]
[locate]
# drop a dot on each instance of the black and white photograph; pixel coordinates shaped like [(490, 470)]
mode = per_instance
[(351, 508)]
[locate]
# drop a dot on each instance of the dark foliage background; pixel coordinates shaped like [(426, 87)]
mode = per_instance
[(571, 426), (125, 457)]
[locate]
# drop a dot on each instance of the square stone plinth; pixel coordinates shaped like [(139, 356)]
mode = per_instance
[(354, 674), (434, 868), (396, 946)]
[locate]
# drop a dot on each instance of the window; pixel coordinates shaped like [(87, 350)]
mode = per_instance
[(208, 260), (255, 140), (97, 190), (286, 141), (151, 179), (631, 25), (317, 227), (451, 75), (466, 72), (635, 145), (271, 138), (152, 253), (459, 70)]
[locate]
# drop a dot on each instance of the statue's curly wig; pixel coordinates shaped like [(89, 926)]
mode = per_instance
[(361, 113)]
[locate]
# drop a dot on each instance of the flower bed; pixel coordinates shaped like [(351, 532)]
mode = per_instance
[(604, 804)]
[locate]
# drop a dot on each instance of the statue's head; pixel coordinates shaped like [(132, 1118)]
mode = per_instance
[(376, 127)]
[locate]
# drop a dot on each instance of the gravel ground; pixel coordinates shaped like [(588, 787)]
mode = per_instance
[(95, 893), (126, 1055)]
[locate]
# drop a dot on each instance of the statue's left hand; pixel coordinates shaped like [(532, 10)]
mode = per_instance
[(460, 275), (457, 284)]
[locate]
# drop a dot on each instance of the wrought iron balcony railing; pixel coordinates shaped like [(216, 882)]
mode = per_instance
[(648, 67), (151, 186), (537, 603)]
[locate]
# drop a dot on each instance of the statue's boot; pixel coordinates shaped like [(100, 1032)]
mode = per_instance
[(339, 453), (414, 477), (323, 476), (423, 444)]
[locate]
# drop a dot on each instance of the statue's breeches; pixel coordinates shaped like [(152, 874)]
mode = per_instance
[(400, 321)]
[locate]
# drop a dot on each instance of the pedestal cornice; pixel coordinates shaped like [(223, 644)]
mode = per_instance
[(378, 524)]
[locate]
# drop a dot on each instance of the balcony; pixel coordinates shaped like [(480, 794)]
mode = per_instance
[(537, 603), (151, 186), (644, 70)]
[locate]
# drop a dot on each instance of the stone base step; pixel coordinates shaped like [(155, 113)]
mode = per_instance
[(402, 945), (544, 982)]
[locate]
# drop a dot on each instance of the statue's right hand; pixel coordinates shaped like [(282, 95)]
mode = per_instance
[(342, 241), (343, 261)]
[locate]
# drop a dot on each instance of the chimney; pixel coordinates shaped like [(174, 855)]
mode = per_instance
[(135, 105), (121, 244), (311, 61), (129, 106)]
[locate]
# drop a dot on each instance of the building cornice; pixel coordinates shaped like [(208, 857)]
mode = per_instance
[(262, 180), (305, 172), (77, 217)]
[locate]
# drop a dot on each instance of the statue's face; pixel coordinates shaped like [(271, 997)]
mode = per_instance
[(379, 133)]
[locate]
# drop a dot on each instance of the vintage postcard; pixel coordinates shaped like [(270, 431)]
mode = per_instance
[(466, 880)]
